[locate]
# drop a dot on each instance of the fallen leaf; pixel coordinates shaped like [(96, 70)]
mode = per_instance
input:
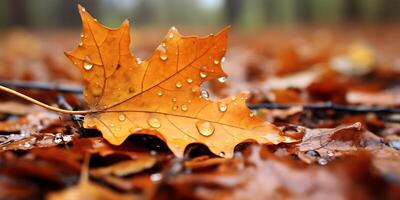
[(381, 98), (270, 177), (86, 189), (98, 145), (30, 123), (127, 167), (161, 95)]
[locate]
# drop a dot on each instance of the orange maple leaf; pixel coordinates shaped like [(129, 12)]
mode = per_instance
[(161, 95)]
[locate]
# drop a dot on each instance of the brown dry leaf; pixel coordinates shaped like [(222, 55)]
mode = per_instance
[(382, 98), (16, 108), (88, 190), (161, 95), (98, 145), (330, 142), (270, 177), (127, 167), (31, 122)]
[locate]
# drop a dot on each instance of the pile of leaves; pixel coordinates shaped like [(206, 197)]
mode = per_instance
[(150, 130)]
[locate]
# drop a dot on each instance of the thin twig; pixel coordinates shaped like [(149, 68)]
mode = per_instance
[(328, 106), (80, 112), (65, 88)]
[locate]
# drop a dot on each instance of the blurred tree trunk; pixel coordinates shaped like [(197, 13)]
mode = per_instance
[(18, 13), (144, 12), (303, 10), (233, 10), (389, 10), (351, 10), (270, 8)]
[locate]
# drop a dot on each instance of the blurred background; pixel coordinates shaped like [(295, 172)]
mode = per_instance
[(275, 46), (242, 14)]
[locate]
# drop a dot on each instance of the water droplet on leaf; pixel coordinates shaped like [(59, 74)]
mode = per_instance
[(178, 84), (163, 56), (205, 128), (189, 80), (154, 122), (184, 107), (222, 79), (87, 66), (222, 107), (121, 117), (203, 74), (216, 61), (205, 94), (159, 93)]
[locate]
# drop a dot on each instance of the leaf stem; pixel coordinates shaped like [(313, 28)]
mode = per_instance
[(52, 108)]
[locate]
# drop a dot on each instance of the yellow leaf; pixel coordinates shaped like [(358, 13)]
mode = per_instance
[(161, 95)]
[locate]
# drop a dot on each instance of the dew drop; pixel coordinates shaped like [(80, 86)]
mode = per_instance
[(154, 122), (178, 84), (189, 80), (205, 128), (233, 98), (185, 137), (112, 125), (312, 153), (121, 117), (216, 61), (163, 52), (175, 108), (87, 66), (222, 154), (205, 94), (171, 35), (163, 56), (80, 44), (184, 107), (58, 139), (159, 93), (223, 59), (203, 74), (82, 35), (163, 44), (67, 138), (222, 79), (222, 107), (195, 89), (174, 99), (251, 114), (155, 177), (322, 161), (91, 125), (138, 61)]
